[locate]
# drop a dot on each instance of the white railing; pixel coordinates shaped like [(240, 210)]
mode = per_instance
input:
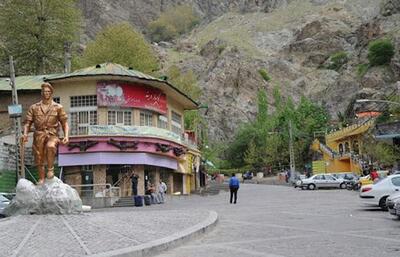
[(97, 190)]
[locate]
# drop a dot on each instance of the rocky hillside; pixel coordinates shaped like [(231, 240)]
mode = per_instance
[(292, 40)]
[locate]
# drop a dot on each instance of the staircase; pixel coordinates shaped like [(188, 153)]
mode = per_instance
[(125, 201), (213, 188)]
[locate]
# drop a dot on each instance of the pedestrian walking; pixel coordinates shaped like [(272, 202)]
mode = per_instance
[(234, 187)]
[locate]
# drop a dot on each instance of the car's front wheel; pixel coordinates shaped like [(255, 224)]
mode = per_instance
[(342, 186), (382, 203), (311, 186)]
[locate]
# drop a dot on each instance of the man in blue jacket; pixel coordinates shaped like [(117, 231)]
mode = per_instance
[(234, 187)]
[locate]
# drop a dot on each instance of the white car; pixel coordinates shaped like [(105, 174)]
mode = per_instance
[(391, 200), (321, 181), (376, 194)]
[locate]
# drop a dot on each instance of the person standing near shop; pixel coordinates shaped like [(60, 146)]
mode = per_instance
[(234, 187), (134, 179)]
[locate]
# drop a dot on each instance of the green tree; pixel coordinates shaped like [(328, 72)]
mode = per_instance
[(173, 22), (35, 31), (120, 43), (380, 52), (184, 81)]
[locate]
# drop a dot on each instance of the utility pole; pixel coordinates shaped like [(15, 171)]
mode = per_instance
[(291, 153), (67, 57), (15, 111)]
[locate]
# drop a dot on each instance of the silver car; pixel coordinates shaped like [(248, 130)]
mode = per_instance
[(321, 181), (4, 202), (391, 200)]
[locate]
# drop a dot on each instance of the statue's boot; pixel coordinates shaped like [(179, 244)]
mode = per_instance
[(50, 173), (41, 175)]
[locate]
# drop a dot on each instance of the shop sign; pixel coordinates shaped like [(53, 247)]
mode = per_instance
[(121, 94)]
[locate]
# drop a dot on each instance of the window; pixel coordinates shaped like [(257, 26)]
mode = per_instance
[(146, 119), (396, 181), (84, 100), (340, 148), (162, 122), (81, 120), (56, 99), (119, 117), (176, 123)]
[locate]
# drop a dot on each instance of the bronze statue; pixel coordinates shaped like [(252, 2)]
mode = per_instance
[(46, 116)]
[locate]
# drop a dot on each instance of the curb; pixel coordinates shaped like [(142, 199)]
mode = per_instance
[(157, 246)]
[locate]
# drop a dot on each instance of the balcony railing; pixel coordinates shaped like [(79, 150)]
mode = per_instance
[(139, 131)]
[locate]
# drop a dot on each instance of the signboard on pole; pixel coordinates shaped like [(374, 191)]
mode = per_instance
[(15, 110)]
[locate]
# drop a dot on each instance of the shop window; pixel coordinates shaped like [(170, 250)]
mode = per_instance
[(56, 99), (119, 117), (340, 148), (162, 122), (176, 123), (81, 120), (356, 148), (146, 119)]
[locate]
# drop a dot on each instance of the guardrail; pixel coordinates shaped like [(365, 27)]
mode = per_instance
[(97, 190)]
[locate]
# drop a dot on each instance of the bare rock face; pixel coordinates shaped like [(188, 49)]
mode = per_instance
[(390, 7), (53, 197)]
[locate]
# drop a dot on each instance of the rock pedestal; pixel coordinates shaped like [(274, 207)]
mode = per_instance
[(52, 197)]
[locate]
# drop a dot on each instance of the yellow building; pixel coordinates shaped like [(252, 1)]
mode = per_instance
[(341, 151)]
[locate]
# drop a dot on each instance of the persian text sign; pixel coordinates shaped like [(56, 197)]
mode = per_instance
[(110, 93)]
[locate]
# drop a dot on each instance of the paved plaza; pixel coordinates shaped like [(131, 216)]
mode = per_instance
[(268, 221), (274, 221)]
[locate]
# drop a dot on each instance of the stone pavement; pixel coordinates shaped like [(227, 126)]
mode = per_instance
[(113, 232), (277, 221)]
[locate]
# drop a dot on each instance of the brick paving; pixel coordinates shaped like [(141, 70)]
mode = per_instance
[(91, 233)]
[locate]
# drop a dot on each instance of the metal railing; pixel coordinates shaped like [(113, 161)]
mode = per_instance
[(97, 190)]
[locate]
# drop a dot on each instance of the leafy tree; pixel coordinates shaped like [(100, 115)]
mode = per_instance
[(120, 43), (184, 81), (35, 31), (173, 22), (380, 52)]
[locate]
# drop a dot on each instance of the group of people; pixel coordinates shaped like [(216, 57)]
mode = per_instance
[(150, 189)]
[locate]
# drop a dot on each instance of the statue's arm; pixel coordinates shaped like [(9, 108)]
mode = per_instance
[(63, 117)]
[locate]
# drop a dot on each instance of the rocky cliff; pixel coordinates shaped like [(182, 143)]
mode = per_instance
[(292, 40)]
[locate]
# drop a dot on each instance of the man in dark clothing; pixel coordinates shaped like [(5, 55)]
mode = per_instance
[(234, 187), (134, 179)]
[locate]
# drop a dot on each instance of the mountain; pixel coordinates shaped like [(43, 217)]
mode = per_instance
[(294, 41)]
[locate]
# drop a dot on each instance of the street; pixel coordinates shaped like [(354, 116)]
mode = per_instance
[(276, 221)]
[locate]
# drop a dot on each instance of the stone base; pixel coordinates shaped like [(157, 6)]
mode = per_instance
[(51, 197)]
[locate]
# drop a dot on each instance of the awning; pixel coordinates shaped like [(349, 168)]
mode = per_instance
[(116, 158)]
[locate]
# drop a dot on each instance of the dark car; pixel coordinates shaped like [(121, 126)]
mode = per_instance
[(247, 175)]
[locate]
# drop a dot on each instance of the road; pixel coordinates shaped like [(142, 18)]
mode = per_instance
[(276, 221)]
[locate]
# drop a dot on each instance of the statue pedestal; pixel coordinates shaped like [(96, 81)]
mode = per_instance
[(51, 197)]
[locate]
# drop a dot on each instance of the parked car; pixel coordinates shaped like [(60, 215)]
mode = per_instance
[(397, 207), (321, 181), (247, 175), (298, 178), (4, 202), (391, 200), (376, 194)]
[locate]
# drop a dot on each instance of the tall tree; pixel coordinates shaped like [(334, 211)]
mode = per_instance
[(35, 32), (121, 43)]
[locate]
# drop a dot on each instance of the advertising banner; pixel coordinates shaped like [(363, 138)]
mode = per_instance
[(124, 94)]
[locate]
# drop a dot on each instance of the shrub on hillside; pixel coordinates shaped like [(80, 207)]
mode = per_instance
[(173, 22), (380, 52), (264, 74), (362, 69), (337, 60)]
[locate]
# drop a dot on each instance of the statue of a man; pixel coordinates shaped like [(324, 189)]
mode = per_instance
[(46, 116)]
